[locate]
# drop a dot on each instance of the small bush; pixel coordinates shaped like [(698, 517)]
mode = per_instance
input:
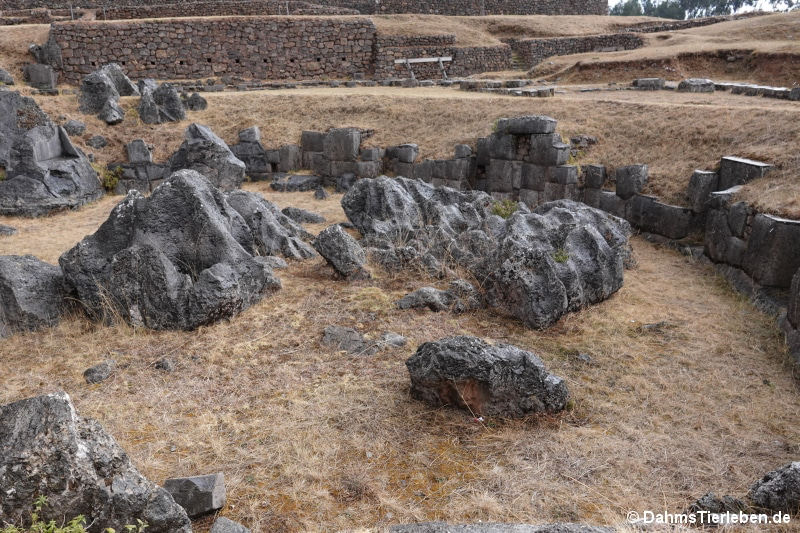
[(561, 256), (76, 525), (504, 208), (2, 174), (109, 178)]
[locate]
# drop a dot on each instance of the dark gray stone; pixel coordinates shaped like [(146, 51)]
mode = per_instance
[(302, 216), (49, 450), (320, 193), (296, 182), (500, 380), (224, 525), (196, 103), (342, 144), (611, 203), (405, 153), (778, 490), (289, 155), (7, 231), (40, 76), (711, 503), (138, 152), (773, 250), (594, 176), (347, 339), (650, 215), (738, 215), (460, 297), (44, 171), (701, 185), (273, 233), (738, 171), (112, 114), (696, 85), (649, 84), (345, 182), (527, 125), (176, 260), (548, 150), (342, 252), (147, 83), (6, 78), (170, 105), (198, 495), (99, 372), (96, 90), (207, 154), (123, 85), (148, 109), (31, 294), (250, 135), (372, 154), (74, 128), (312, 141), (392, 339), (463, 151), (631, 180), (165, 364), (501, 146)]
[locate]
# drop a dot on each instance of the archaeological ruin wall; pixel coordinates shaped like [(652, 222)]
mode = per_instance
[(534, 51)]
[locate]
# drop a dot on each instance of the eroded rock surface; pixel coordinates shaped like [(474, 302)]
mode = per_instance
[(176, 260), (206, 153), (778, 490), (31, 294), (49, 450)]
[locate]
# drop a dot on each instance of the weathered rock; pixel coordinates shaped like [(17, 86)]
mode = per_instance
[(696, 85), (701, 185), (463, 151), (649, 84), (146, 83), (710, 503), (288, 158), (527, 125), (460, 297), (123, 85), (44, 171), (631, 180), (198, 495), (778, 490), (393, 339), (6, 78), (138, 152), (499, 380), (96, 90), (170, 105), (302, 216), (176, 260), (320, 193), (295, 182), (207, 154), (344, 182), (347, 339), (738, 171), (48, 450), (31, 294), (405, 153), (99, 372), (74, 128), (773, 250), (196, 103), (7, 231), (224, 525), (342, 144), (594, 176), (97, 142), (40, 76), (273, 233), (111, 113), (342, 252), (441, 527), (148, 109)]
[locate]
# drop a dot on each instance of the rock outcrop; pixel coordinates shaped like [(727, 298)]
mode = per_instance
[(176, 260), (536, 266), (206, 153), (499, 380), (100, 92), (342, 252), (31, 294), (49, 450), (779, 490), (162, 104), (44, 171)]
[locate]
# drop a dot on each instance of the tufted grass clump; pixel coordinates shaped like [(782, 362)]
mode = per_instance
[(109, 178), (560, 256), (504, 208), (76, 525)]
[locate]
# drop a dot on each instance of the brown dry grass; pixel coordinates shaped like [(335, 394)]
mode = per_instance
[(312, 440), (14, 41), (674, 133), (770, 44)]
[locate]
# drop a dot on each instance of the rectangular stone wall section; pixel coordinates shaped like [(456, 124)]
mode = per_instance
[(221, 8), (534, 51), (250, 47), (466, 61)]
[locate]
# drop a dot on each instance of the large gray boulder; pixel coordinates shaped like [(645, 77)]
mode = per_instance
[(342, 252), (273, 232), (122, 84), (206, 153), (49, 450), (560, 258), (96, 90), (779, 490), (44, 171), (199, 495), (31, 294), (176, 260), (160, 105), (500, 380), (441, 527)]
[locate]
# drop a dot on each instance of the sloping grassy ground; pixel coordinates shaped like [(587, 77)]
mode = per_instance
[(314, 440)]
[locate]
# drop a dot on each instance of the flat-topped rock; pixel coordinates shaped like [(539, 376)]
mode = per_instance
[(739, 170)]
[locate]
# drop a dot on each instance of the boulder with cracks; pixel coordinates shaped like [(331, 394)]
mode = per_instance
[(206, 153), (31, 294)]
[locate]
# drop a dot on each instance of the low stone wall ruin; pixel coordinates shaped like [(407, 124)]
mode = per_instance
[(219, 8), (534, 51)]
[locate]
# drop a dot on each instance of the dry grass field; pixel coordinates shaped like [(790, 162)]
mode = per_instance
[(314, 440), (674, 133), (767, 47)]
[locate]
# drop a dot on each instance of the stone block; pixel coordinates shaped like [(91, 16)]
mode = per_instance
[(650, 215), (527, 125), (457, 170), (631, 180), (773, 250), (738, 215), (320, 165), (738, 171), (312, 141), (343, 167), (482, 152), (405, 153), (533, 177), (289, 156), (611, 203), (794, 94), (649, 84), (504, 176), (198, 495), (547, 150), (372, 154), (342, 144), (591, 197), (250, 135), (424, 170), (138, 152), (502, 146), (594, 176), (40, 76), (553, 192), (565, 174), (696, 85), (404, 169), (463, 151), (701, 185), (368, 169), (529, 197)]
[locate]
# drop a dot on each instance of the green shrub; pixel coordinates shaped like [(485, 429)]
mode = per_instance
[(504, 208), (2, 174), (76, 525), (561, 256), (108, 178)]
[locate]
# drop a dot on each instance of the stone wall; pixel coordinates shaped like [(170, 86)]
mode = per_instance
[(221, 8), (442, 7), (534, 51), (255, 47), (466, 61)]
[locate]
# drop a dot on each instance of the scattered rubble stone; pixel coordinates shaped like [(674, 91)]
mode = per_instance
[(100, 372), (224, 525), (499, 380), (196, 103), (47, 447), (165, 364), (97, 142), (296, 183), (302, 216), (459, 298), (198, 495), (696, 85), (6, 231), (207, 154), (347, 339), (778, 490), (74, 128), (320, 193), (31, 294), (6, 78), (342, 252)]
